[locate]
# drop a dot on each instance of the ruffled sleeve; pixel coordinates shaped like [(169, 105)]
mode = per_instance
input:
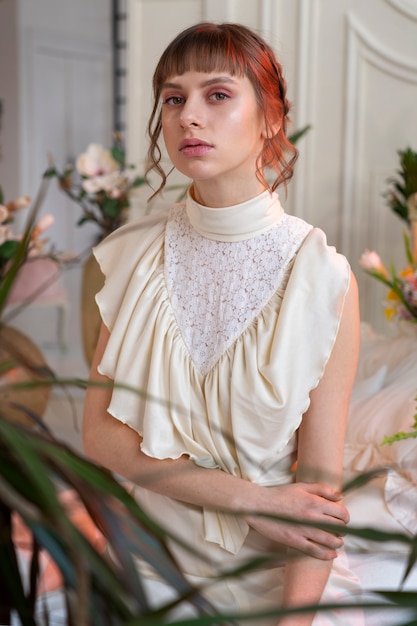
[(129, 259)]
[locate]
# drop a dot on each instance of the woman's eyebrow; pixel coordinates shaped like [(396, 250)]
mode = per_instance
[(205, 83)]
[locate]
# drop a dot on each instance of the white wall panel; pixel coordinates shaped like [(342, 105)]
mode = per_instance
[(381, 88)]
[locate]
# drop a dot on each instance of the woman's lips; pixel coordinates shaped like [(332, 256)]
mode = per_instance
[(194, 147)]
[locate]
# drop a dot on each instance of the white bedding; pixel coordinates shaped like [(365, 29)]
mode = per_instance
[(383, 403)]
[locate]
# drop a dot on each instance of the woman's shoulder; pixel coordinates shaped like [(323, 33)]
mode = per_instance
[(133, 237), (140, 225)]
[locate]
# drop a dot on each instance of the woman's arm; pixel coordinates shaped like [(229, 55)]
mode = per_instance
[(320, 449), (116, 446)]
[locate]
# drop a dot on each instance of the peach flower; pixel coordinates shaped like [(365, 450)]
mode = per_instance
[(4, 213), (371, 262)]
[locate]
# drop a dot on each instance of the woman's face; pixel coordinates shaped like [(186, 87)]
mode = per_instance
[(214, 131)]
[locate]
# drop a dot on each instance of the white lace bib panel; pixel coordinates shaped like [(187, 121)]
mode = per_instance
[(218, 288)]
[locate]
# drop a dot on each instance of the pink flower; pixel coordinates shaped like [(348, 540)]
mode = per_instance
[(371, 262), (115, 193), (5, 234), (43, 224), (4, 213), (96, 161)]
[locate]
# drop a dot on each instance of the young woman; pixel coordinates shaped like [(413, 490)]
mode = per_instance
[(246, 322)]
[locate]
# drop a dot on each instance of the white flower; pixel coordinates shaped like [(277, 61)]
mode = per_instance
[(371, 261), (113, 184), (96, 161)]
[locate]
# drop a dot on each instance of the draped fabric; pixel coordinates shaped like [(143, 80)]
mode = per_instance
[(243, 414)]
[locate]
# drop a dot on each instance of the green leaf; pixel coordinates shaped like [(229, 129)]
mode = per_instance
[(138, 181), (9, 571), (296, 136), (407, 247), (412, 559), (400, 436), (8, 249), (364, 479), (83, 219), (404, 183), (50, 172), (1, 195), (23, 246), (111, 207), (118, 155)]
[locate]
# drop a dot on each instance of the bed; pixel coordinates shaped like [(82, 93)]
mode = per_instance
[(383, 403)]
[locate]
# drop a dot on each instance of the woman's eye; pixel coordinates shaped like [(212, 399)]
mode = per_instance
[(173, 100), (219, 96)]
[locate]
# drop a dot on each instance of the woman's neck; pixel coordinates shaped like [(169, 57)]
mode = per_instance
[(218, 196)]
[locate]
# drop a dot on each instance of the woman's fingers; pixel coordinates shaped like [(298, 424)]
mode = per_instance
[(314, 504)]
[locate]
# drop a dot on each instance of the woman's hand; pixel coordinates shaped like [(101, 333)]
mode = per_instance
[(314, 503)]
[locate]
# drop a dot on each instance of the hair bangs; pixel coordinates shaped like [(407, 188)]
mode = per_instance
[(204, 52)]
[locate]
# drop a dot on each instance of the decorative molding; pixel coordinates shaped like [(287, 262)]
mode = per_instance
[(362, 48), (306, 71), (266, 9), (407, 7), (47, 43)]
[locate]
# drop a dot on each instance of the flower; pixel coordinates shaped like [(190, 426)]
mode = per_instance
[(401, 299), (9, 242), (17, 249), (371, 261), (100, 183), (96, 161)]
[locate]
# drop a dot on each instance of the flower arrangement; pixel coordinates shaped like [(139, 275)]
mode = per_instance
[(17, 249), (100, 183), (401, 300)]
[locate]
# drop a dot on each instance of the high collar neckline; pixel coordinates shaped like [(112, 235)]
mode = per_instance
[(238, 222)]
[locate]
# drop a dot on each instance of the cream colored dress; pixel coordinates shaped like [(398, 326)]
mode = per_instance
[(226, 319)]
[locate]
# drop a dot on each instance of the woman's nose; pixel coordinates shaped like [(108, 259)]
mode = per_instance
[(191, 115)]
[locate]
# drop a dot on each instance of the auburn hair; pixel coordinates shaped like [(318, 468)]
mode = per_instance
[(237, 50)]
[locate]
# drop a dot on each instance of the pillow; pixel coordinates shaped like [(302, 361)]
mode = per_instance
[(368, 509), (383, 403)]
